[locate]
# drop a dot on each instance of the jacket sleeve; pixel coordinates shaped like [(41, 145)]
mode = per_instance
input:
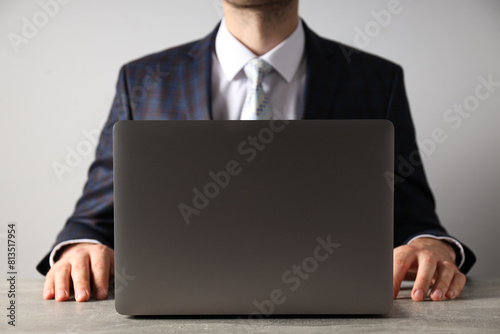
[(93, 214), (414, 205)]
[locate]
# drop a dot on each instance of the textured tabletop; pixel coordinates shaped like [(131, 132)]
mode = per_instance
[(477, 310)]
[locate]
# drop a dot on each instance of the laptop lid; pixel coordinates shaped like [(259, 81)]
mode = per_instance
[(253, 218)]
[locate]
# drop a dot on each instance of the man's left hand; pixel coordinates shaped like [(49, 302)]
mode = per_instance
[(428, 260)]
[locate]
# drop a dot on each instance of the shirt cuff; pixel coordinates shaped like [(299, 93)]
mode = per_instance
[(448, 239), (67, 242)]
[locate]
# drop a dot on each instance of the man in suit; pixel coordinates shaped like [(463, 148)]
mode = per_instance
[(303, 76)]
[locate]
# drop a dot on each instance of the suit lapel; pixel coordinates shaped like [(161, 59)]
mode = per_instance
[(324, 68), (197, 75), (323, 72)]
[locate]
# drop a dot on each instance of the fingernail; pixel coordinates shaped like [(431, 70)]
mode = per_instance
[(452, 294), (419, 295), (60, 293), (437, 294), (101, 293), (48, 293), (81, 294)]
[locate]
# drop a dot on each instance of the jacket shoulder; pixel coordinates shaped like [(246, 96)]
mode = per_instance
[(355, 58)]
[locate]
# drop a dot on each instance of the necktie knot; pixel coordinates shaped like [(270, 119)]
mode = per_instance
[(256, 69)]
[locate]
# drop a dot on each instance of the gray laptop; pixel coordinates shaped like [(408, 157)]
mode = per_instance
[(253, 218)]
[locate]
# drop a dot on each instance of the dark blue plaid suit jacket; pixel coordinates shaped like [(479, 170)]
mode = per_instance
[(341, 83)]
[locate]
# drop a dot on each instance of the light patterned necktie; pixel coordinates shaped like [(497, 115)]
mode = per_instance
[(257, 104)]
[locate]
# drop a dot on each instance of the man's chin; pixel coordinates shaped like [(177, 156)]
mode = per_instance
[(261, 4)]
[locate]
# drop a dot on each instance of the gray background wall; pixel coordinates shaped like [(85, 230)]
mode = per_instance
[(60, 83)]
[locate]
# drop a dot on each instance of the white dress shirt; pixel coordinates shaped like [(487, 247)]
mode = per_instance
[(230, 86), (230, 83)]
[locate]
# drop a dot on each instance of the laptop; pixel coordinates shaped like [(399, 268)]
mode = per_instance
[(253, 218)]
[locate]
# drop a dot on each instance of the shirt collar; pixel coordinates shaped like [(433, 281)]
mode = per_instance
[(285, 57)]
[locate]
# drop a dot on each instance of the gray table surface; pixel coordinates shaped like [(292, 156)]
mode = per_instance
[(477, 310)]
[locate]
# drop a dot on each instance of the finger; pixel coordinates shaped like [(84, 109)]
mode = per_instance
[(101, 263), (62, 272), (456, 285), (446, 271), (427, 266), (48, 285), (80, 273), (404, 259)]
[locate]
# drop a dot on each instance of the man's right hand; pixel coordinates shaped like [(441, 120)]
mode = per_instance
[(79, 264)]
